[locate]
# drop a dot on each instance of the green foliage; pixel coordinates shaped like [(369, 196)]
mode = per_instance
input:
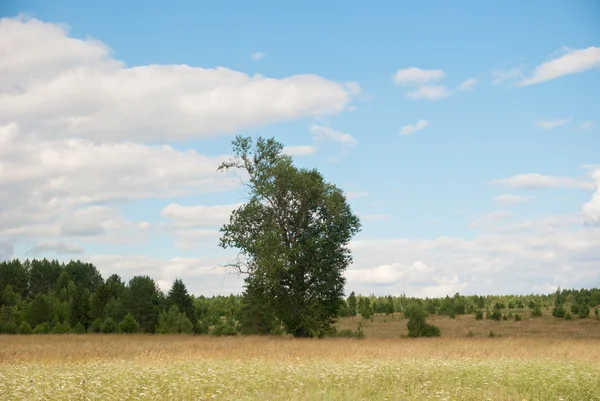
[(517, 317), (41, 310), (225, 328), (417, 326), (25, 328), (79, 307), (95, 325), (108, 326), (478, 315), (536, 311), (568, 316), (596, 312), (352, 304), (201, 327), (178, 296), (42, 328), (559, 311), (256, 315), (10, 328), (173, 321), (79, 328), (141, 299), (129, 325), (364, 307), (496, 315), (584, 311), (293, 234), (61, 328), (491, 334)]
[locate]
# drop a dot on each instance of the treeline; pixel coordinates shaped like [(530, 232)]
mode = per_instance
[(42, 296)]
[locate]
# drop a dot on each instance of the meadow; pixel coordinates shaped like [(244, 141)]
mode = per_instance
[(535, 359)]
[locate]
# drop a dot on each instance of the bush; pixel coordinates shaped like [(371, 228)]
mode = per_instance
[(559, 311), (517, 317), (61, 328), (225, 328), (11, 328), (79, 328), (584, 311), (491, 334), (129, 324), (173, 321), (25, 328), (201, 327), (478, 315), (596, 312), (417, 327), (504, 317), (42, 328), (536, 311), (568, 316), (511, 305), (95, 326), (108, 326), (496, 315)]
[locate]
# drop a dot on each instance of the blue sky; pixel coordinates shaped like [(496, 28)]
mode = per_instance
[(466, 137)]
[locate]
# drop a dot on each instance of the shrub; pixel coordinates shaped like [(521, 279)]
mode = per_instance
[(108, 326), (417, 327), (584, 311), (11, 328), (478, 315), (42, 328), (596, 312), (79, 328), (225, 328), (25, 328), (201, 327), (129, 324), (95, 326), (517, 317), (511, 305), (504, 317), (559, 311), (61, 328), (568, 316), (359, 333), (496, 315), (510, 315), (491, 334), (536, 311), (470, 334), (173, 321)]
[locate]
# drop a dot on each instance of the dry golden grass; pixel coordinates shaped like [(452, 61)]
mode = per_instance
[(234, 368), (546, 326)]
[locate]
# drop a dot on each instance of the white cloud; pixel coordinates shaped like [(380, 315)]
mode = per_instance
[(592, 208), (551, 124), (325, 133), (417, 76), (6, 250), (353, 87), (499, 76), (355, 195), (258, 56), (572, 62), (587, 125), (199, 215), (535, 181), (55, 86), (58, 247), (302, 150), (412, 128), (468, 85), (429, 92), (380, 216), (510, 200)]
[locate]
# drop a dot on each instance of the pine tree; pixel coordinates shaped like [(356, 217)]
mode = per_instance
[(178, 295), (352, 304)]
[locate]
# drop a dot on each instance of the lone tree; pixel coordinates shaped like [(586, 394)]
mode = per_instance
[(292, 236)]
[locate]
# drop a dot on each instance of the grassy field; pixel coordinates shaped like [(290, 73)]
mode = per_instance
[(536, 366)]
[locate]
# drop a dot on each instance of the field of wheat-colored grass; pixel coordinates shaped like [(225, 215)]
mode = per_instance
[(149, 367)]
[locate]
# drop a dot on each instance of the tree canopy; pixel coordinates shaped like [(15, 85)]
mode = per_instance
[(292, 235)]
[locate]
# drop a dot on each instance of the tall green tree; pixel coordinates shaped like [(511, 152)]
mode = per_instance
[(292, 235), (41, 310), (79, 307), (15, 274), (352, 304), (179, 296), (142, 299)]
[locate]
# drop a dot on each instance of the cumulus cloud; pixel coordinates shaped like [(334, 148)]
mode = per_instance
[(510, 200), (322, 133), (415, 75), (58, 247), (55, 85), (301, 150), (468, 84), (412, 128), (551, 124), (429, 92), (199, 215), (592, 208), (536, 181), (572, 62)]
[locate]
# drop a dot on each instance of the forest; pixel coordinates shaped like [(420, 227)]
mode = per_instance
[(48, 296)]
